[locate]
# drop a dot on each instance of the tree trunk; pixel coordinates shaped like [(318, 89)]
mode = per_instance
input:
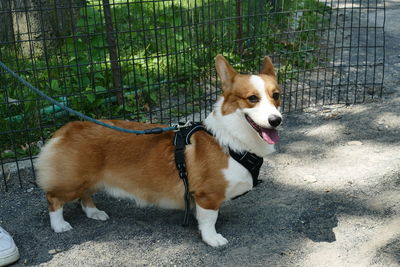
[(34, 24)]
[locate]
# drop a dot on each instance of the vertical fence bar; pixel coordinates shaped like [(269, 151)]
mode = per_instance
[(239, 27), (112, 48)]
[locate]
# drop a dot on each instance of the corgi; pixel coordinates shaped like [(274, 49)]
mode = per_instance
[(82, 157)]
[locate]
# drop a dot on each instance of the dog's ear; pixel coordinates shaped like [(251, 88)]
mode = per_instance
[(268, 67), (225, 71)]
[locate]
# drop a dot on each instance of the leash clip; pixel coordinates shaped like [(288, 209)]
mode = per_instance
[(180, 126)]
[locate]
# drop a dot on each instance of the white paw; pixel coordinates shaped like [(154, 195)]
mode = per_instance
[(61, 227), (98, 215), (215, 240), (95, 213)]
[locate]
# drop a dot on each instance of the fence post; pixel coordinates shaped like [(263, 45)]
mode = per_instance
[(29, 24), (112, 49), (239, 27)]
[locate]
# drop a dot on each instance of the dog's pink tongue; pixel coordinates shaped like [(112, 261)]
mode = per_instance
[(270, 135)]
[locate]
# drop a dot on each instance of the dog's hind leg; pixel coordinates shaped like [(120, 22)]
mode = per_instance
[(90, 209), (57, 222)]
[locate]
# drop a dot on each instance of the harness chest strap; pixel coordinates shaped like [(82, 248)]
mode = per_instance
[(248, 160), (181, 139), (251, 162)]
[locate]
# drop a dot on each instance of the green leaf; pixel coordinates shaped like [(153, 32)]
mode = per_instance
[(7, 154), (91, 98), (99, 75), (100, 88), (129, 108), (55, 86), (80, 23), (85, 81), (153, 96)]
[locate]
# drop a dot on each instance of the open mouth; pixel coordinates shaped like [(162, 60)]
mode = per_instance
[(268, 135)]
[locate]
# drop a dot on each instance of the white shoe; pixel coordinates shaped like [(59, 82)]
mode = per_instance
[(8, 251)]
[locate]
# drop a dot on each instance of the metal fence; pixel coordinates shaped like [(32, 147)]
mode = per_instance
[(152, 60)]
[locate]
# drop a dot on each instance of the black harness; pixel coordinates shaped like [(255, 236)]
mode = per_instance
[(248, 160)]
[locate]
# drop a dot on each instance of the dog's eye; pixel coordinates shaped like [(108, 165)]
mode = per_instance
[(275, 95), (253, 98)]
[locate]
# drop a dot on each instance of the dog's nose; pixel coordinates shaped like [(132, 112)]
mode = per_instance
[(274, 120)]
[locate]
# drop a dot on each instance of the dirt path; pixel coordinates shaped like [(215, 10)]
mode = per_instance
[(330, 198)]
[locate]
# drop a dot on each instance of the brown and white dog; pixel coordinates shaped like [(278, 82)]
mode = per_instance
[(82, 157)]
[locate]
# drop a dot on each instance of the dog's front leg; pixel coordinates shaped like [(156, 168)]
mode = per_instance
[(207, 219)]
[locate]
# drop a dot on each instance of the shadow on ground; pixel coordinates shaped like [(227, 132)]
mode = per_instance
[(277, 224), (266, 226)]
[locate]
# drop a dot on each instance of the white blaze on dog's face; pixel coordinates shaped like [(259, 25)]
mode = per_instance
[(256, 97)]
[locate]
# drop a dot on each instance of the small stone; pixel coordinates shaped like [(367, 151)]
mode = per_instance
[(54, 251), (370, 91), (380, 128), (29, 190), (310, 179), (354, 143), (39, 144), (333, 116)]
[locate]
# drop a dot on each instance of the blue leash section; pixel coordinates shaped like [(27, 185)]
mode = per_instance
[(83, 116)]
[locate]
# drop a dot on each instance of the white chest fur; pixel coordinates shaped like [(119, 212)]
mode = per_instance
[(238, 178)]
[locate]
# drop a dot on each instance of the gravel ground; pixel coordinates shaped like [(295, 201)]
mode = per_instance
[(330, 197)]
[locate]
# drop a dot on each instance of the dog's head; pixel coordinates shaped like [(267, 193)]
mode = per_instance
[(256, 98)]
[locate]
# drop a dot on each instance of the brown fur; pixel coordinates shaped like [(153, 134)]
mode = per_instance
[(87, 155), (237, 87), (236, 97)]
